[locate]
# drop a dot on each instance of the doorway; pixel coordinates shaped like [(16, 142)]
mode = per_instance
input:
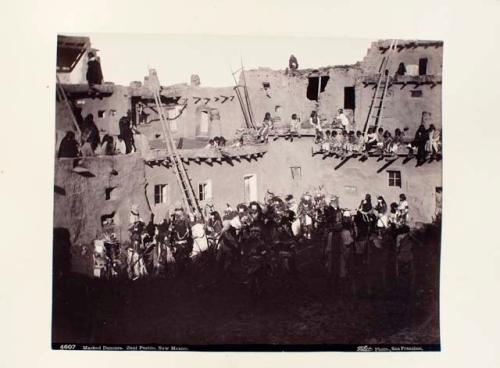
[(250, 187), (422, 66)]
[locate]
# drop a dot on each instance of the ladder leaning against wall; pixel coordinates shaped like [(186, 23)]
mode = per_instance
[(183, 179), (376, 110), (61, 93)]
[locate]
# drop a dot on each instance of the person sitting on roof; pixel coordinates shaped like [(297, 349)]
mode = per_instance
[(371, 139), (349, 143), (387, 142), (314, 121), (326, 143), (294, 127), (433, 144), (107, 146), (267, 125), (403, 209), (210, 144), (380, 138), (293, 64), (68, 146), (344, 121), (358, 143), (346, 145), (337, 144)]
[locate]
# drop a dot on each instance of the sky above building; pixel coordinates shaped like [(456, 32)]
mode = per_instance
[(126, 58)]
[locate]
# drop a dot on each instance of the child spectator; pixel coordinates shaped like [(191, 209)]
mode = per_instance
[(314, 121), (344, 121), (210, 144), (294, 127), (403, 209), (433, 143), (337, 143), (325, 145), (371, 139), (358, 143)]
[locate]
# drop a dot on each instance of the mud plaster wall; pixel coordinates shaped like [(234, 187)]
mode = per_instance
[(119, 101), (229, 114), (401, 109), (80, 201), (351, 182), (285, 91), (373, 58)]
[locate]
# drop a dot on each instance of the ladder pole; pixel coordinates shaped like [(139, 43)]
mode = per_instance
[(240, 99), (62, 93), (391, 51), (247, 97), (382, 74), (183, 179)]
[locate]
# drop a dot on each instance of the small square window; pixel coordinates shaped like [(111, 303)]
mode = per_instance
[(394, 178), (204, 190), (416, 93), (101, 114), (296, 172), (161, 191), (266, 85)]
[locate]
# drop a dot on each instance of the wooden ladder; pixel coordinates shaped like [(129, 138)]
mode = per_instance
[(61, 93), (244, 99), (188, 193), (376, 111)]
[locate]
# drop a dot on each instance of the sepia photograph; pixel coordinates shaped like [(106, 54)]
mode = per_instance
[(247, 193)]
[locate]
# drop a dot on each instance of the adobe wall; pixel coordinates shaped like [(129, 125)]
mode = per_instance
[(221, 104), (351, 181), (80, 201), (290, 93), (285, 91), (434, 54), (401, 110)]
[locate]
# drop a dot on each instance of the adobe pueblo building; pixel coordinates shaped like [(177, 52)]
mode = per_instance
[(404, 96)]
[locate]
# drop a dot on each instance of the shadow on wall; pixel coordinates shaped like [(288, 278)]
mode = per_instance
[(61, 261)]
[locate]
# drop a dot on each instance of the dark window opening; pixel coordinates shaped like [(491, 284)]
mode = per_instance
[(266, 85), (417, 93), (349, 98), (108, 219), (422, 66), (111, 193), (394, 178), (313, 86), (101, 113), (161, 193)]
